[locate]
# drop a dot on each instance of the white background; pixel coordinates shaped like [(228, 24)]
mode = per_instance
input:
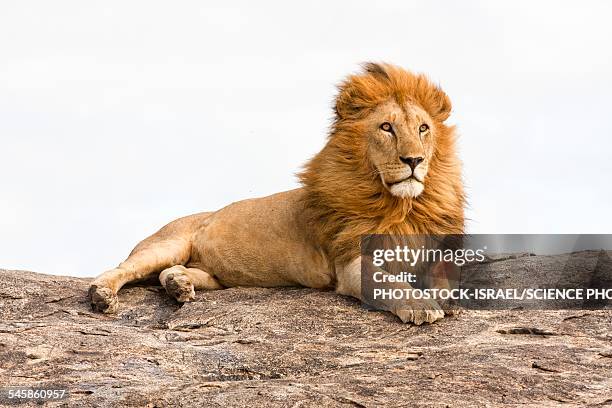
[(119, 116)]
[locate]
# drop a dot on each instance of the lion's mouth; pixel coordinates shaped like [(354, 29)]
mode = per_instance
[(412, 177)]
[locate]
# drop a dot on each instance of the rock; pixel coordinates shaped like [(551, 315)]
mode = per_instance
[(290, 347)]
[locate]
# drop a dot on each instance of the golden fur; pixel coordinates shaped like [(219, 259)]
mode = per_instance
[(366, 180)]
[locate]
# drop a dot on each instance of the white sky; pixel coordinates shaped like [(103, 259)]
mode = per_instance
[(119, 116)]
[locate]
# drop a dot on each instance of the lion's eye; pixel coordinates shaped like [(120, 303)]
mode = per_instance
[(423, 128), (386, 127)]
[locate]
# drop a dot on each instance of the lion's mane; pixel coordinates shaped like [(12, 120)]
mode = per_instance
[(346, 199)]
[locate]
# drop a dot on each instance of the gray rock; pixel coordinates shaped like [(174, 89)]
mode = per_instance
[(292, 348)]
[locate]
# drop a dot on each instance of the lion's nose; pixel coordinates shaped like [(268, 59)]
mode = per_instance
[(412, 161)]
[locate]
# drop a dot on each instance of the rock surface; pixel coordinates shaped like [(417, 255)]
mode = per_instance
[(292, 348)]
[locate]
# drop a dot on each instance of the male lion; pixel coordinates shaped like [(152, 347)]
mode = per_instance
[(389, 167)]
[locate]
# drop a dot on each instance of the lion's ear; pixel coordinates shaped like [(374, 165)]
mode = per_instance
[(346, 105), (359, 91)]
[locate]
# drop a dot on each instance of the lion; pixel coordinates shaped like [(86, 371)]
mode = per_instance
[(389, 167)]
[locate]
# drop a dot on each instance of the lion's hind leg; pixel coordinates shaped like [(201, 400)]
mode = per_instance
[(181, 282), (147, 259)]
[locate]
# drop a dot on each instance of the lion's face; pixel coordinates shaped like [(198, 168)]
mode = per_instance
[(400, 145)]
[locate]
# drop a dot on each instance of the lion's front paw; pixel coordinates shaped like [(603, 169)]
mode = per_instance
[(419, 312), (103, 299), (179, 286)]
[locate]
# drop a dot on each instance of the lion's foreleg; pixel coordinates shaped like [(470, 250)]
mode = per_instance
[(408, 310)]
